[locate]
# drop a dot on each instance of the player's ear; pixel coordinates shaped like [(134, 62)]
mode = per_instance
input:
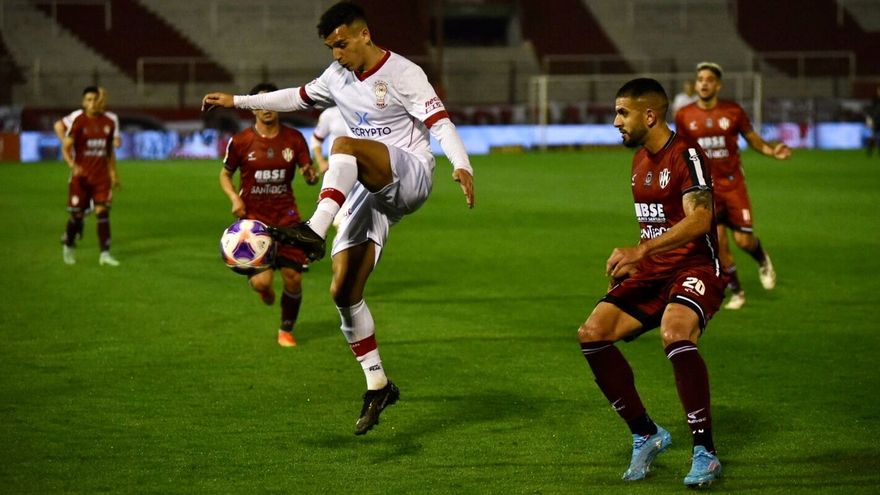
[(650, 117)]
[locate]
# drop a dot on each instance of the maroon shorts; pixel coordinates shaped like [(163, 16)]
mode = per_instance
[(290, 257), (733, 209), (82, 191), (645, 297)]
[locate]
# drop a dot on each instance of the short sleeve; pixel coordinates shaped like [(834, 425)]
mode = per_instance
[(695, 173), (419, 97), (230, 160)]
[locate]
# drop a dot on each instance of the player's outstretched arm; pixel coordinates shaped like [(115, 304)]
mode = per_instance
[(780, 151), (212, 100)]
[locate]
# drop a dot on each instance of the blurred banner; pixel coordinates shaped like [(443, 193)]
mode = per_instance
[(478, 139)]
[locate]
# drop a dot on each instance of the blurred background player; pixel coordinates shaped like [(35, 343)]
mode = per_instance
[(687, 96), (61, 125), (87, 147), (266, 157), (330, 126), (386, 100), (716, 124), (671, 279)]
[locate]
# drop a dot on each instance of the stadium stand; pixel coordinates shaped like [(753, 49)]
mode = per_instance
[(145, 35)]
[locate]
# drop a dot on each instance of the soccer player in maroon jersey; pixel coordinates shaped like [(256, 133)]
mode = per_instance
[(88, 150), (716, 124), (671, 279), (267, 156)]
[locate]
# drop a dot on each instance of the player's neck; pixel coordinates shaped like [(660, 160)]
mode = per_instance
[(374, 57), (267, 130), (707, 104), (658, 138)]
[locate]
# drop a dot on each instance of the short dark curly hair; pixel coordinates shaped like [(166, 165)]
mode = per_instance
[(263, 86), (342, 13)]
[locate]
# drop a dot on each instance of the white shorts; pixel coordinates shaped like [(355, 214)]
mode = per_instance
[(367, 216)]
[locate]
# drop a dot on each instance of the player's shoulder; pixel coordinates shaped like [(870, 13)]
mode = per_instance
[(288, 132), (243, 138), (729, 106)]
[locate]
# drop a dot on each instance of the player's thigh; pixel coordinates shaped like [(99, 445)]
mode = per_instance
[(607, 322), (373, 159), (261, 281), (738, 209), (351, 269), (693, 296), (679, 323)]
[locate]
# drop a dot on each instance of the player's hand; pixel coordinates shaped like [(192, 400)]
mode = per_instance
[(310, 175), (466, 181), (115, 183), (75, 170), (212, 100), (781, 151), (238, 208), (622, 262)]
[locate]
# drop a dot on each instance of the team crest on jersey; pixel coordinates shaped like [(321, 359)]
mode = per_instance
[(649, 178), (709, 123), (106, 129), (724, 123), (693, 125), (664, 178), (287, 154), (381, 91)]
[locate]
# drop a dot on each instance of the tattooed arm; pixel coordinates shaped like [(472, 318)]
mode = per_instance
[(698, 209)]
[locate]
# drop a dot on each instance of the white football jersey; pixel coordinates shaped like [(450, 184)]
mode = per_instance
[(392, 103)]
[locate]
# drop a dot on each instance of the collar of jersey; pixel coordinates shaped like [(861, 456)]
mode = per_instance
[(364, 75)]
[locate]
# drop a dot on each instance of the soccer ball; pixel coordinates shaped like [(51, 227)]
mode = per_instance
[(247, 247)]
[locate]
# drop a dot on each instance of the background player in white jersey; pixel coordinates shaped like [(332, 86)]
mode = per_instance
[(380, 172), (330, 126)]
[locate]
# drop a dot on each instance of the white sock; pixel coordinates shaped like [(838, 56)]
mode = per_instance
[(359, 330), (373, 371), (340, 177)]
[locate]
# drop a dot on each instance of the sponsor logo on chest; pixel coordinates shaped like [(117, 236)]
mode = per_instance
[(270, 175)]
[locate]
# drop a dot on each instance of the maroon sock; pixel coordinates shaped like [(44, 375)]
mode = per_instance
[(615, 379), (74, 227), (289, 309), (732, 279), (104, 230), (758, 252), (692, 382)]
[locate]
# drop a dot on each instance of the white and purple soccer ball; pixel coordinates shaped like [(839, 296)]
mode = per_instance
[(247, 247)]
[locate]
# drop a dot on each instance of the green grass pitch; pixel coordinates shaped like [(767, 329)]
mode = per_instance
[(163, 375)]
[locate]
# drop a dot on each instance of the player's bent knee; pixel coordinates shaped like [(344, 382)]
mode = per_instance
[(344, 144), (592, 332)]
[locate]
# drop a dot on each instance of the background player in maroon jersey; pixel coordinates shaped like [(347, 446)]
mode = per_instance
[(716, 125), (671, 279), (267, 156), (87, 148)]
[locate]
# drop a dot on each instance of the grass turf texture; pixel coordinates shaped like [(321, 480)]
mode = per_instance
[(163, 375)]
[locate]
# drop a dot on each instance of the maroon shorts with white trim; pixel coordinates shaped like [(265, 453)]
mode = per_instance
[(733, 208), (82, 191), (645, 297)]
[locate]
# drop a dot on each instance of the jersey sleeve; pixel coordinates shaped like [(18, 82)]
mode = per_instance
[(745, 125), (317, 92), (695, 172), (68, 119), (303, 157), (231, 160), (419, 97)]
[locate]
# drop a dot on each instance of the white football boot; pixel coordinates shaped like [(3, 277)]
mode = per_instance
[(767, 274), (68, 253), (737, 300), (106, 259)]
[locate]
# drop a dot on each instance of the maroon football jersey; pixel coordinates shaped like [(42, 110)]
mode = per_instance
[(659, 181), (716, 131), (267, 167), (92, 145)]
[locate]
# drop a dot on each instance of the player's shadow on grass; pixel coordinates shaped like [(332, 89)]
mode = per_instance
[(409, 423)]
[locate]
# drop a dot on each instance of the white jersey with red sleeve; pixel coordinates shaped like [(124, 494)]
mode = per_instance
[(392, 103)]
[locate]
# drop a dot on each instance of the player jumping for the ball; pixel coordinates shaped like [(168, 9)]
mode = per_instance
[(378, 174)]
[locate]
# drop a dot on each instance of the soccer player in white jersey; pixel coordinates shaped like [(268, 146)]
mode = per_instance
[(380, 172), (330, 126)]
